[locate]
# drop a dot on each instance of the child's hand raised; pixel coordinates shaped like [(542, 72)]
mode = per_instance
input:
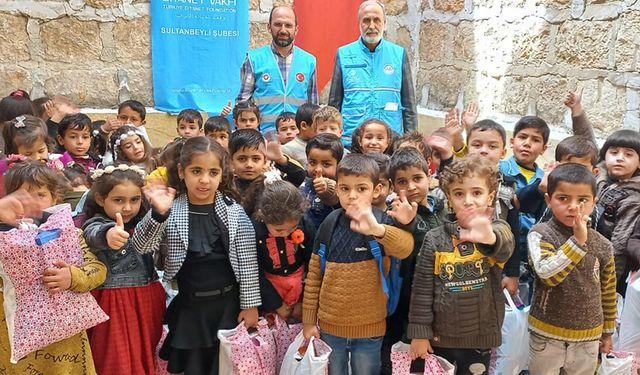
[(117, 237), (441, 145), (470, 115), (547, 168), (363, 221), (18, 205), (420, 348), (274, 153), (580, 226), (402, 210), (320, 184), (226, 109), (573, 100), (475, 225), (160, 197), (57, 278)]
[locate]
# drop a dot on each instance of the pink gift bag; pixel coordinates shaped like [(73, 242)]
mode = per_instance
[(433, 365), (35, 317), (244, 353), (283, 334)]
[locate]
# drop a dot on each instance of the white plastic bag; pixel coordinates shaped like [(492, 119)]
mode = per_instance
[(612, 365), (315, 361), (629, 338), (433, 365), (512, 356)]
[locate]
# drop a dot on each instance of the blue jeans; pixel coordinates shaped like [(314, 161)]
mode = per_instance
[(365, 355)]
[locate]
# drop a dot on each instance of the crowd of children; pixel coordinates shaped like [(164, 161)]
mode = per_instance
[(407, 237)]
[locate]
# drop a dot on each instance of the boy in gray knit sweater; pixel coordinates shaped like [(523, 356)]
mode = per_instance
[(457, 306), (573, 310)]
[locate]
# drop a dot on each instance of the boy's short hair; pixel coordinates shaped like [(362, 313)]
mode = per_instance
[(136, 106), (285, 116), (383, 162), (359, 165), (217, 123), (326, 141), (327, 113), (190, 115), (533, 122), (577, 146), (245, 106), (417, 138), (245, 138), (626, 138), (305, 113), (468, 166), (571, 173), (487, 125), (74, 121), (404, 158)]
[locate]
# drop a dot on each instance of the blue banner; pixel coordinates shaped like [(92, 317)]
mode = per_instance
[(197, 49)]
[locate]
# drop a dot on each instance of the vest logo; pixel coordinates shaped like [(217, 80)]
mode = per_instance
[(300, 77), (388, 69), (266, 77)]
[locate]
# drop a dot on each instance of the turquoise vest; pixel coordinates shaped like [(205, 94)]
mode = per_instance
[(270, 94), (372, 82)]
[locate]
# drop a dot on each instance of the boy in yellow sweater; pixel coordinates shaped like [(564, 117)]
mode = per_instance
[(346, 296)]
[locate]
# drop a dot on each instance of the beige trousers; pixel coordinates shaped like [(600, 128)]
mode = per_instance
[(553, 357)]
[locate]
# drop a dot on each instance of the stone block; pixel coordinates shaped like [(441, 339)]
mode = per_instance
[(403, 37), (433, 41), (288, 3), (70, 40), (104, 4), (444, 83), (449, 5), (95, 86), (531, 42), (627, 45), (254, 4), (14, 39), (493, 52), (140, 81), (548, 92), (259, 34), (554, 3), (584, 44), (514, 95), (464, 41), (606, 104), (132, 38), (14, 77), (394, 7)]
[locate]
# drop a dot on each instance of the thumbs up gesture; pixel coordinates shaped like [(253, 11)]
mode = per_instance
[(117, 237), (320, 184), (226, 109)]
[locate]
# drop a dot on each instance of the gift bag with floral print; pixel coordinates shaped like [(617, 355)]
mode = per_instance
[(35, 317)]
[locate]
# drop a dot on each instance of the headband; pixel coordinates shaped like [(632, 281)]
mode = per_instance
[(122, 167), (124, 136)]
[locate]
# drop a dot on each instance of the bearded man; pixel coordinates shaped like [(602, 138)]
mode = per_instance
[(372, 78), (279, 77)]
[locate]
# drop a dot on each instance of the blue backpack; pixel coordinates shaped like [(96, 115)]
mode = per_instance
[(391, 284)]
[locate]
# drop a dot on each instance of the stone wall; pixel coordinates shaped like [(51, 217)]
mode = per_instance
[(522, 56), (514, 57)]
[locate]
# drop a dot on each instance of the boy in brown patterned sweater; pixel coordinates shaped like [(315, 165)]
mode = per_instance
[(457, 306), (347, 298), (573, 310)]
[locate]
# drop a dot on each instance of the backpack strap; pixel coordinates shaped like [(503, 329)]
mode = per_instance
[(377, 254), (323, 236), (376, 251)]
